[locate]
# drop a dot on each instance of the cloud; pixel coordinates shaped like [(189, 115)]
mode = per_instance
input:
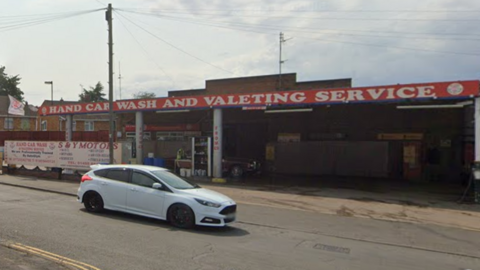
[(361, 44)]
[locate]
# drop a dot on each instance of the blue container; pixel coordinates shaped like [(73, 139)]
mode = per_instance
[(148, 161), (159, 162)]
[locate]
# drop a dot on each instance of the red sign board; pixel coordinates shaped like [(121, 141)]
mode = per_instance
[(442, 90), (179, 127)]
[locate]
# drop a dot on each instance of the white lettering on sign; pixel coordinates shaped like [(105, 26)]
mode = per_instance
[(298, 97), (375, 93), (426, 91), (355, 95), (97, 106), (402, 92), (244, 99), (257, 98), (408, 92), (180, 102)]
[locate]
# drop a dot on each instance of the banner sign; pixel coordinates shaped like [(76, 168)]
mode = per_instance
[(1, 155), (460, 89), (67, 155)]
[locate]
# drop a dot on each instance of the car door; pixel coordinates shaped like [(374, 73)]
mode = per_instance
[(114, 185), (142, 198)]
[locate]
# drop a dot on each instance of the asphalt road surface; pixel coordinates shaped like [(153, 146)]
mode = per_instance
[(263, 238)]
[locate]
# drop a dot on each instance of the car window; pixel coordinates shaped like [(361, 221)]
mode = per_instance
[(142, 179), (117, 174), (101, 173), (173, 180)]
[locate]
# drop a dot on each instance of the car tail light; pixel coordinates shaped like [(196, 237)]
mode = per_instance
[(86, 177)]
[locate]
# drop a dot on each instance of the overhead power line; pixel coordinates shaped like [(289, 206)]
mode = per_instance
[(143, 49), (41, 19), (173, 46), (338, 32), (270, 16), (308, 9), (325, 39), (293, 28)]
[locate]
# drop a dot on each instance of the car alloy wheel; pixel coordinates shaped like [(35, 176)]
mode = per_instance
[(181, 216), (236, 171), (93, 203)]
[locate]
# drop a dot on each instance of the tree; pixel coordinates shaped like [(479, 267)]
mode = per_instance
[(95, 94), (144, 95), (9, 85)]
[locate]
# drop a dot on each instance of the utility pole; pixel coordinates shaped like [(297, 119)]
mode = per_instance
[(108, 17), (280, 61), (120, 80)]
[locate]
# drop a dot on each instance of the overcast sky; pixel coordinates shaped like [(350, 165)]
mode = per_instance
[(180, 44)]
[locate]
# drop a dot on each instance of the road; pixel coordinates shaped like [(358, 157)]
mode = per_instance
[(263, 238)]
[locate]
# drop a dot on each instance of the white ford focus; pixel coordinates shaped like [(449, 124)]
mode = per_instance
[(154, 192)]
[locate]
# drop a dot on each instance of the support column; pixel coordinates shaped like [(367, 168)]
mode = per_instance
[(139, 136), (68, 128), (476, 166), (217, 142)]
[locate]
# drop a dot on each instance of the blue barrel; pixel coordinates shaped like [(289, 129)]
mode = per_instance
[(148, 161), (159, 162)]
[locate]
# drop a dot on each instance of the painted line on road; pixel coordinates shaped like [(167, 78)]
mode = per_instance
[(39, 189), (51, 256)]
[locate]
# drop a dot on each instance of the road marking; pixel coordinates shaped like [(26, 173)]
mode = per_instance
[(332, 248), (51, 256)]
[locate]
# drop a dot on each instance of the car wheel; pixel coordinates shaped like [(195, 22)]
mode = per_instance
[(181, 216), (236, 171), (93, 202)]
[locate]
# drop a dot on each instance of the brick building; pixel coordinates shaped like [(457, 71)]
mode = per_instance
[(91, 122), (10, 122), (366, 140)]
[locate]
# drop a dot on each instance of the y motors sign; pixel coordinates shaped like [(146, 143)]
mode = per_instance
[(442, 90), (68, 155)]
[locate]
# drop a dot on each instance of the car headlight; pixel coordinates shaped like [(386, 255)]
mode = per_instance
[(207, 203)]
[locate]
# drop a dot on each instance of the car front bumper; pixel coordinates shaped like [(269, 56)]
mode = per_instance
[(217, 217)]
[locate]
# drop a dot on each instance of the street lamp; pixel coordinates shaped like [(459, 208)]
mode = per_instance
[(51, 83)]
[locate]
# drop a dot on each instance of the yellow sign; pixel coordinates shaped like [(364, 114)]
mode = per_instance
[(289, 137), (270, 153), (400, 136)]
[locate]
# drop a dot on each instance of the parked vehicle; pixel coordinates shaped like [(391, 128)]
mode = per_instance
[(154, 192), (239, 167)]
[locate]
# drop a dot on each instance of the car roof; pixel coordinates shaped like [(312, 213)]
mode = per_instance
[(128, 166)]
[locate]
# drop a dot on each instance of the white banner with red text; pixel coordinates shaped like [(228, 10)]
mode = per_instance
[(66, 155)]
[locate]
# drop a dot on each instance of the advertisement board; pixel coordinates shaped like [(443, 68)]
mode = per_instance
[(67, 155), (386, 93)]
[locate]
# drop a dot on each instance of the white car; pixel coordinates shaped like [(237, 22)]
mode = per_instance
[(154, 192)]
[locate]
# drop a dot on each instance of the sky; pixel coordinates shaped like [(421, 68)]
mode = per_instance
[(175, 45)]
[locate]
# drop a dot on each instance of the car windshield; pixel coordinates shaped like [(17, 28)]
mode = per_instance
[(173, 180)]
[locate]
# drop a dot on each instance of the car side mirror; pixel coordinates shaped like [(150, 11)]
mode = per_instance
[(157, 186)]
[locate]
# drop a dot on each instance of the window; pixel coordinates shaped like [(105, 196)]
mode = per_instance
[(89, 126), (44, 125), (74, 126), (25, 124), (142, 179), (8, 123), (117, 174), (101, 173), (173, 180)]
